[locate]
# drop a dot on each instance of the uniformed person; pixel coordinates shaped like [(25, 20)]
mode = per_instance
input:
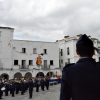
[(47, 83), (37, 84), (1, 85), (30, 85), (22, 87), (17, 86), (81, 80), (42, 83), (6, 88), (13, 88)]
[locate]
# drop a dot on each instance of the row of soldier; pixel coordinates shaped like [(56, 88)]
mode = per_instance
[(14, 86)]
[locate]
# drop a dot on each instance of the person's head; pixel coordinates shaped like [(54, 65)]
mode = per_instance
[(84, 46)]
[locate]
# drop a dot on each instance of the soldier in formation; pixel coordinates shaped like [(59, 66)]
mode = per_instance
[(14, 86)]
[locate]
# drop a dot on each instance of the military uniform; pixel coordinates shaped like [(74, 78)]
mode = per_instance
[(30, 85), (22, 88), (37, 84), (13, 89), (47, 83), (6, 88), (1, 93), (42, 84), (17, 87)]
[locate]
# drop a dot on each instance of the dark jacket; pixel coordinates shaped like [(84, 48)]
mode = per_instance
[(81, 81), (30, 85)]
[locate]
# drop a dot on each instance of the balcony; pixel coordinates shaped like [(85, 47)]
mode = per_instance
[(45, 67), (23, 67), (1, 68)]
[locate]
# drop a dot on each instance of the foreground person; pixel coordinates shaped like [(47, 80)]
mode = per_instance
[(81, 81)]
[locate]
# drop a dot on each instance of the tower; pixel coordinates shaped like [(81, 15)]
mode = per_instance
[(6, 47)]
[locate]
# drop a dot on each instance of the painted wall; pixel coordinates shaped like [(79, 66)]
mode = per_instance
[(11, 50), (6, 42)]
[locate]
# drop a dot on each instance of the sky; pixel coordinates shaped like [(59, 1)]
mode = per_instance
[(50, 20)]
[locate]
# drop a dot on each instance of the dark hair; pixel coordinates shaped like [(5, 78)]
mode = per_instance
[(85, 47)]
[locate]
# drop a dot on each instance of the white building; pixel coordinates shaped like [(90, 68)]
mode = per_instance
[(18, 57), (67, 50)]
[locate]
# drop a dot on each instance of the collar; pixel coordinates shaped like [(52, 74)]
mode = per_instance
[(86, 59)]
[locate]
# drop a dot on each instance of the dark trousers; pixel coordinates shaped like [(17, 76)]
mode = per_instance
[(12, 92), (37, 88), (22, 91), (1, 93), (42, 87), (17, 90), (6, 92), (47, 87), (30, 92)]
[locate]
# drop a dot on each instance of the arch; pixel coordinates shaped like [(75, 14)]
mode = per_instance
[(50, 74), (28, 75), (5, 75), (18, 75), (40, 74)]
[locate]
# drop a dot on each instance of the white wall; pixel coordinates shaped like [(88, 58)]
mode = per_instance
[(71, 43), (6, 40), (8, 54), (52, 52)]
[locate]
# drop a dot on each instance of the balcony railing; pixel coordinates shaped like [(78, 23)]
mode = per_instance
[(45, 67), (23, 67)]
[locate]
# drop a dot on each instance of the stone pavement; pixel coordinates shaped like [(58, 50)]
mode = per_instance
[(52, 94)]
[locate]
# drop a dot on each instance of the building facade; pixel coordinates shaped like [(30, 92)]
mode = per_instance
[(18, 57), (67, 50)]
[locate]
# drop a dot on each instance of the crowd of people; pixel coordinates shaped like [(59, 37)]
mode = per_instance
[(21, 85)]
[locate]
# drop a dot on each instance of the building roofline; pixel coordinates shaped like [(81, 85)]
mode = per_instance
[(1, 27), (68, 38), (33, 41)]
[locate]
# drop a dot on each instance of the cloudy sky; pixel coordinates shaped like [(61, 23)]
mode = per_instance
[(50, 20)]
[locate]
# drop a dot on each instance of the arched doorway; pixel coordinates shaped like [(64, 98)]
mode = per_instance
[(18, 75), (50, 74), (28, 75), (5, 76), (40, 74)]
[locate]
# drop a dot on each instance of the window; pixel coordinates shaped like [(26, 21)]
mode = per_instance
[(99, 59), (14, 48), (45, 51), (15, 62), (45, 63), (68, 61), (34, 51), (0, 47), (61, 61), (51, 62), (23, 63), (30, 62), (68, 51), (61, 52), (0, 33), (94, 53), (23, 50)]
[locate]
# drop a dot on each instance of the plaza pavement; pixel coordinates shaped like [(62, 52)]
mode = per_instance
[(52, 94)]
